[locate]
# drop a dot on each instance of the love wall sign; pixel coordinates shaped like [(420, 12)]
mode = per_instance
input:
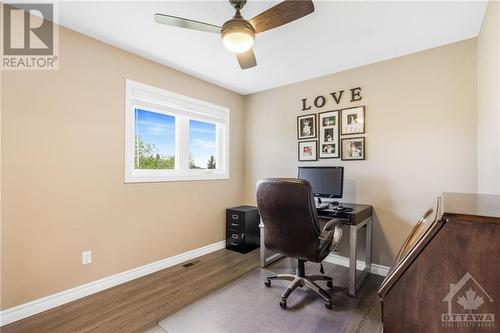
[(333, 133), (320, 100)]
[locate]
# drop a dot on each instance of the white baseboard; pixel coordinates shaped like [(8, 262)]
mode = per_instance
[(42, 304), (344, 261)]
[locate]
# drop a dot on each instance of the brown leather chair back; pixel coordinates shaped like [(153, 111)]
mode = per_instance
[(290, 219)]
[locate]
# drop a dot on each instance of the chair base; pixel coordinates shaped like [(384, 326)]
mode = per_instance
[(301, 280)]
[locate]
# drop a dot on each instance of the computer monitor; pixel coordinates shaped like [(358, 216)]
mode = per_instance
[(326, 182)]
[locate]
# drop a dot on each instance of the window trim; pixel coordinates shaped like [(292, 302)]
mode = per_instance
[(139, 95)]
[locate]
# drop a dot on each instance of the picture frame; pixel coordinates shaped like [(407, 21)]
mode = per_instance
[(306, 126), (308, 151), (329, 134), (353, 149), (353, 120)]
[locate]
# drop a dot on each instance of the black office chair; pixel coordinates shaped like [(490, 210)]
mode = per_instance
[(291, 227)]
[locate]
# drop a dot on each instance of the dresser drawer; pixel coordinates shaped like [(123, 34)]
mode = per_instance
[(235, 236), (235, 240), (235, 220)]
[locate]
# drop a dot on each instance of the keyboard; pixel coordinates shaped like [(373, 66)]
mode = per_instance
[(322, 206), (330, 213)]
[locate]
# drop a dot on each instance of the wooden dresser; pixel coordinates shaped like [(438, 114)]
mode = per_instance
[(446, 277)]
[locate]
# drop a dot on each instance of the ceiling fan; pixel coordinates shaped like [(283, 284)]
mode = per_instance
[(238, 34)]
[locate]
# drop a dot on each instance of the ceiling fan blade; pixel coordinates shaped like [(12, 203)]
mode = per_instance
[(282, 13), (186, 23), (246, 59)]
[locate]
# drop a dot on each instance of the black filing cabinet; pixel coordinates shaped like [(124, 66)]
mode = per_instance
[(242, 229)]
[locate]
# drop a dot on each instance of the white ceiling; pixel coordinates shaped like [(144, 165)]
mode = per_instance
[(337, 36)]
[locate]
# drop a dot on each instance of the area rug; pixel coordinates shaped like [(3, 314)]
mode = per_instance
[(247, 306)]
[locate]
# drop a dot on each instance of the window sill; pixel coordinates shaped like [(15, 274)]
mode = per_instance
[(176, 178)]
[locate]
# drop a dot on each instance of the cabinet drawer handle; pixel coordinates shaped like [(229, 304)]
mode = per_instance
[(235, 217), (234, 244), (234, 236), (235, 224)]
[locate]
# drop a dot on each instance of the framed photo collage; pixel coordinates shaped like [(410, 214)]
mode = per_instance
[(332, 134)]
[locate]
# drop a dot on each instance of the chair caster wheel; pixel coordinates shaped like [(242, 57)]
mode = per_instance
[(329, 305), (268, 283), (329, 284), (283, 304)]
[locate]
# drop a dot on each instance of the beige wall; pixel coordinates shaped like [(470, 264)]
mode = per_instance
[(488, 74), (63, 174), (421, 135)]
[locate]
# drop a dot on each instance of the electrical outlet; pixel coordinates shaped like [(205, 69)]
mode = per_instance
[(86, 257)]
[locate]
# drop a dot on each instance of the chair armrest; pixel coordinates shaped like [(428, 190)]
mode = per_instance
[(333, 226)]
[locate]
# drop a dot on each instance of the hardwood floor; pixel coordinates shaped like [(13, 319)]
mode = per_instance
[(139, 304)]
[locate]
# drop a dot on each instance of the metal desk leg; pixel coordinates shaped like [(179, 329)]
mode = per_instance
[(262, 246), (356, 281), (265, 257), (353, 235), (368, 246)]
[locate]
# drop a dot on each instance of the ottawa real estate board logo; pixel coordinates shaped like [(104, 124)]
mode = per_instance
[(29, 36), (468, 303)]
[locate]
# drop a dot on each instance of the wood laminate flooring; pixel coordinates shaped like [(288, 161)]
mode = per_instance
[(139, 305)]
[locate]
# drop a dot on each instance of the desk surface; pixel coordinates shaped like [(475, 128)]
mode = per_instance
[(471, 205), (358, 214)]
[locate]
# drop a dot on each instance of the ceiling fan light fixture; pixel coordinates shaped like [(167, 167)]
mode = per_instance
[(238, 35)]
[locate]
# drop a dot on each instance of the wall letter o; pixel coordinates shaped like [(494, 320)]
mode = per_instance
[(319, 101)]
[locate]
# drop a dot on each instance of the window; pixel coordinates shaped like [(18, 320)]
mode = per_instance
[(154, 140), (202, 145), (170, 137)]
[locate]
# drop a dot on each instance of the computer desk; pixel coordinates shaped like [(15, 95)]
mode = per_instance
[(359, 218)]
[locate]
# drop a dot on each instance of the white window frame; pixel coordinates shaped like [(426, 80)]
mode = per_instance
[(142, 96)]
